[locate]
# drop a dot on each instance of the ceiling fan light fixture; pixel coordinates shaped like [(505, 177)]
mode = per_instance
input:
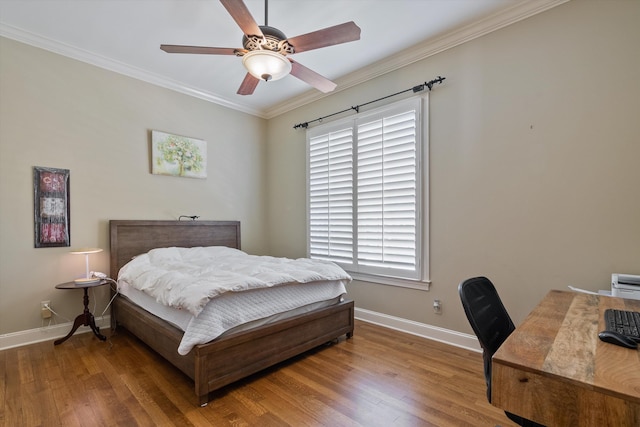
[(266, 65)]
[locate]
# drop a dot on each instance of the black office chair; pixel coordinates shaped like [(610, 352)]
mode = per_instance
[(491, 324)]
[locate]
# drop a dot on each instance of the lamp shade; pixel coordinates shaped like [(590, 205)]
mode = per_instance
[(266, 65), (86, 251)]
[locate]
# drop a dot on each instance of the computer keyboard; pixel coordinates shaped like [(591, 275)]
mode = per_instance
[(624, 322)]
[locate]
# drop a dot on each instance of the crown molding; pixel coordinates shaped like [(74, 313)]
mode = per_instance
[(82, 55), (516, 13)]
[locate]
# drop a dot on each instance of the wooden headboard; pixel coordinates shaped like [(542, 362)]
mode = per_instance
[(129, 238)]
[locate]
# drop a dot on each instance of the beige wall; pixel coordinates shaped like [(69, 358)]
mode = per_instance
[(535, 161), (58, 112), (534, 172)]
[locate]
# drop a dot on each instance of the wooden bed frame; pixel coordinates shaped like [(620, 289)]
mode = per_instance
[(230, 357)]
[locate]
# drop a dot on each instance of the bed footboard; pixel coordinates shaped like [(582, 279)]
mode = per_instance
[(237, 355), (160, 335)]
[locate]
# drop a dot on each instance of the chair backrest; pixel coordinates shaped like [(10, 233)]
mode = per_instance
[(488, 318)]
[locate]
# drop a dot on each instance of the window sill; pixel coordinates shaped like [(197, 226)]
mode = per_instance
[(422, 285)]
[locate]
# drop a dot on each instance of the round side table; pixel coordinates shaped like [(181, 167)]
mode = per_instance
[(86, 318)]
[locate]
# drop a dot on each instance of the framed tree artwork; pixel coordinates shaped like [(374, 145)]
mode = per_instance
[(176, 155), (51, 207)]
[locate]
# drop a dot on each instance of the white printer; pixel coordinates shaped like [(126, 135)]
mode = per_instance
[(625, 286)]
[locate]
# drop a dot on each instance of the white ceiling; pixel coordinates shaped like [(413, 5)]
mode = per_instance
[(125, 35)]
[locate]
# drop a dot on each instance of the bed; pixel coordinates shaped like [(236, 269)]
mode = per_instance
[(231, 356)]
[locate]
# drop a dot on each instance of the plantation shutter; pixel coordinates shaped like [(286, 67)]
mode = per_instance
[(387, 192), (364, 192), (331, 196)]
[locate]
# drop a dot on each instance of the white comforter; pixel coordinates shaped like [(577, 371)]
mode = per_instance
[(187, 278)]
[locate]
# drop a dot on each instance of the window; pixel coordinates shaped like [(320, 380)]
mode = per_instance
[(365, 182)]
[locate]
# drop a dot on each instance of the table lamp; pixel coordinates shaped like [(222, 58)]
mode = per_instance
[(86, 251)]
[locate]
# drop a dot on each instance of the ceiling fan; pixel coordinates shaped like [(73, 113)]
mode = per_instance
[(265, 49)]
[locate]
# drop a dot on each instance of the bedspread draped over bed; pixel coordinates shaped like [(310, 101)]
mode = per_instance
[(187, 278), (223, 287)]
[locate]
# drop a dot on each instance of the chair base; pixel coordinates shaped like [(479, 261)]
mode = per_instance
[(522, 421)]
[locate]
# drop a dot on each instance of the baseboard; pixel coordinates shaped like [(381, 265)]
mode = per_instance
[(447, 336), (46, 333)]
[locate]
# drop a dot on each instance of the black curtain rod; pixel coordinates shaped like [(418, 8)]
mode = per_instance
[(415, 89)]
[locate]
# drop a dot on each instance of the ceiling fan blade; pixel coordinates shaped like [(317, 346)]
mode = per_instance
[(248, 85), (330, 36), (311, 77), (239, 12), (172, 48)]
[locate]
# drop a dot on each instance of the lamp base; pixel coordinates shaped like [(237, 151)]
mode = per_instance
[(87, 281)]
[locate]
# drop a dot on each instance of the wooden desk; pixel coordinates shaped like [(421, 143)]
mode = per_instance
[(553, 369)]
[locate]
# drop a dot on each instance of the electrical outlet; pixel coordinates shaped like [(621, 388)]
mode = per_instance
[(437, 306), (44, 311)]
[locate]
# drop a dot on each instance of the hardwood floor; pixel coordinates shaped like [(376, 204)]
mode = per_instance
[(380, 377)]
